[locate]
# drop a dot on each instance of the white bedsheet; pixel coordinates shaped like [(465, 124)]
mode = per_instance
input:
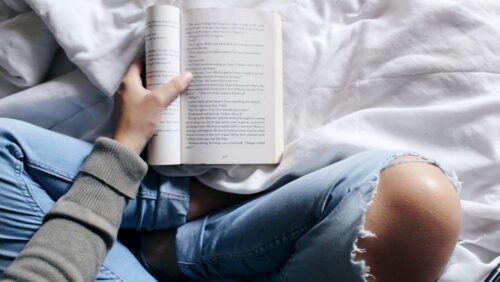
[(415, 75)]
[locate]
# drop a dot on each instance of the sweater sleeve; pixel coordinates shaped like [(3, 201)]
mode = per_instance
[(82, 226)]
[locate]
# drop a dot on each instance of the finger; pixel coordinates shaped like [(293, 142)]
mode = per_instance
[(132, 79), (168, 92)]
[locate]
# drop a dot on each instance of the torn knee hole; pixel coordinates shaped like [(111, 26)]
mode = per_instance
[(409, 182), (407, 159)]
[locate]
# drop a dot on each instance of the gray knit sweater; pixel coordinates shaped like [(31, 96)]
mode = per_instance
[(82, 226)]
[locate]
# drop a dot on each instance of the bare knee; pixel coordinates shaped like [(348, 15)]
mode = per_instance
[(416, 218)]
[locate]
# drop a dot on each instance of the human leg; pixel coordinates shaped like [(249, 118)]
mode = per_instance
[(416, 218), (156, 249), (23, 200), (303, 231), (38, 166)]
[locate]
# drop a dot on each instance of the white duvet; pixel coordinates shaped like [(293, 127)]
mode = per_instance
[(376, 74)]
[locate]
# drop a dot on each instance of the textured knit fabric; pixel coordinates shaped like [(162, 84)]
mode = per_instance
[(82, 226)]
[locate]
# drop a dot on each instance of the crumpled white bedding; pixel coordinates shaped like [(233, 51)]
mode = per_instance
[(414, 75)]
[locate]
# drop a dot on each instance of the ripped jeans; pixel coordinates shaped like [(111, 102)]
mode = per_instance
[(304, 230)]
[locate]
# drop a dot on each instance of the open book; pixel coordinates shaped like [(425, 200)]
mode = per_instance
[(232, 112)]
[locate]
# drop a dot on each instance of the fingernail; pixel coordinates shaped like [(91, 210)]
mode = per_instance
[(188, 76)]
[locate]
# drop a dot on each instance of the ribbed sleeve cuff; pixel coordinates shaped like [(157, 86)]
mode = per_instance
[(97, 198), (115, 165), (92, 203)]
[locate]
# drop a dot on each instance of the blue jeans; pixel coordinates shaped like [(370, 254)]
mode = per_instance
[(304, 230)]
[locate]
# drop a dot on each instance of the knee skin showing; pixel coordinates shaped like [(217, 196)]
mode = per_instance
[(416, 217)]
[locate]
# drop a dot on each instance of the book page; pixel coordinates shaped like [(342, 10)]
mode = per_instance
[(228, 112), (163, 63)]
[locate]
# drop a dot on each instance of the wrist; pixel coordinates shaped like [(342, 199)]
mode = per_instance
[(134, 144)]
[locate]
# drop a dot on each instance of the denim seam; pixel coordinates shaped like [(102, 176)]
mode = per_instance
[(146, 195), (275, 243), (109, 272), (46, 168), (18, 171), (174, 196), (163, 195)]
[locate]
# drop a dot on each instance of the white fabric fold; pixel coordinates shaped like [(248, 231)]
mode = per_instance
[(7, 88), (27, 48), (10, 8), (19, 6), (104, 37)]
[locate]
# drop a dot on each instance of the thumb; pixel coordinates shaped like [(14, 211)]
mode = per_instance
[(169, 91)]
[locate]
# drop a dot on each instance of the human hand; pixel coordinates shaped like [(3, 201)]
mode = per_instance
[(141, 109)]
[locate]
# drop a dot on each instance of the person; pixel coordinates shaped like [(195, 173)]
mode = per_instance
[(384, 215)]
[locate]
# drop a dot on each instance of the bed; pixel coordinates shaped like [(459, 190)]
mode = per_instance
[(414, 75)]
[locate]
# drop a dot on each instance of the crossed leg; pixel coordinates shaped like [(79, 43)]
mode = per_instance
[(38, 166), (310, 223), (415, 216)]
